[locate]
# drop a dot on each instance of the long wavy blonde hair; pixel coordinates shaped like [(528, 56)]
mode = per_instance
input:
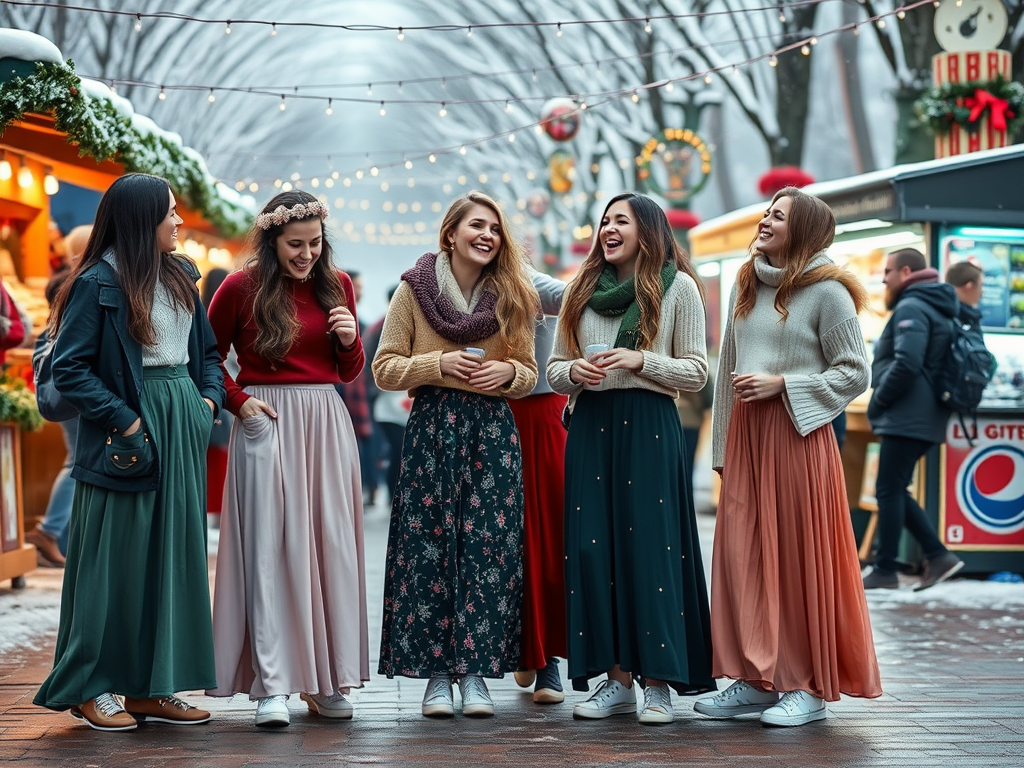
[(507, 275), (657, 246), (812, 227)]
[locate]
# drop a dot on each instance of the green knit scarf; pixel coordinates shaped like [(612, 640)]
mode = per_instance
[(611, 298)]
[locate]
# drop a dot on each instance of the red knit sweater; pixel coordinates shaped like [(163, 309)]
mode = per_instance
[(316, 357)]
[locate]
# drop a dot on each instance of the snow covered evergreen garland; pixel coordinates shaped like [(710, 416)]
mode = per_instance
[(104, 132), (963, 104)]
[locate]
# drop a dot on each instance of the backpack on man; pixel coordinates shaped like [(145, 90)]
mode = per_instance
[(966, 371)]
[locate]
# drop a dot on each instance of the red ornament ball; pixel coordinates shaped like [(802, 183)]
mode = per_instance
[(682, 218), (560, 118), (781, 176)]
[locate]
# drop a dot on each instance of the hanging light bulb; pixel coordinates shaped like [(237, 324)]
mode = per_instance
[(669, 87), (508, 107), (432, 157), (401, 35), (138, 22), (805, 49), (442, 112), (814, 41), (901, 15), (558, 33), (162, 95), (330, 109), (273, 29), (282, 106), (782, 18), (50, 183), (382, 110), (773, 61), (25, 178), (462, 149), (635, 97), (469, 31), (408, 165), (707, 78), (227, 28), (511, 138), (369, 89), (647, 26), (374, 171), (211, 98), (5, 168), (254, 187)]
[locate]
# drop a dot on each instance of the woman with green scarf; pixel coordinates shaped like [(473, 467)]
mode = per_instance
[(637, 603)]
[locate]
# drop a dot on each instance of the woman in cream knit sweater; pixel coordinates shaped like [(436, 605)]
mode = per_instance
[(636, 600), (787, 606), (459, 336)]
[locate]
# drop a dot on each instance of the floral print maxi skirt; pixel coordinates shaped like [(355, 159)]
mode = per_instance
[(454, 574)]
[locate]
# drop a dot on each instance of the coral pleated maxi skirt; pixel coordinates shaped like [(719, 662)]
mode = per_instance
[(787, 601)]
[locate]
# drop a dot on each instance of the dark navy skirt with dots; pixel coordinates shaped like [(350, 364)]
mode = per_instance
[(636, 594)]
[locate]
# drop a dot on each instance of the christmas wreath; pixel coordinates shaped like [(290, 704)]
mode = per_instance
[(964, 104), (103, 132)]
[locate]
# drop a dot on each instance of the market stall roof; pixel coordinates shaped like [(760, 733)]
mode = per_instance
[(981, 188)]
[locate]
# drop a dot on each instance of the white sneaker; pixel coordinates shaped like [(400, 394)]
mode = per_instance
[(476, 699), (272, 712), (740, 698), (437, 699), (795, 708), (334, 705), (610, 698), (657, 706)]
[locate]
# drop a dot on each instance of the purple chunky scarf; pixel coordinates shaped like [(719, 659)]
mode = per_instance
[(448, 322)]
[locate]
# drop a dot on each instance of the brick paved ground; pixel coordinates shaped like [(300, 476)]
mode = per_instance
[(952, 667)]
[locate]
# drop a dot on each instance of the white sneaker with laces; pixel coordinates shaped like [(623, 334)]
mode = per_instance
[(610, 698), (476, 699), (795, 708), (272, 712), (740, 698), (437, 699), (657, 706), (334, 705)]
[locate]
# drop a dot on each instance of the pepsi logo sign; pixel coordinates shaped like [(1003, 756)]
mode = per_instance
[(990, 488)]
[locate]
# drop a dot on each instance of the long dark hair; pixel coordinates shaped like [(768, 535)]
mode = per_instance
[(273, 309), (126, 221), (657, 246)]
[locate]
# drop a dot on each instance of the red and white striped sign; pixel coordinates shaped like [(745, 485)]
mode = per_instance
[(966, 67)]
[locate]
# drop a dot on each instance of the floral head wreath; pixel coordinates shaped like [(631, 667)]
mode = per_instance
[(282, 215)]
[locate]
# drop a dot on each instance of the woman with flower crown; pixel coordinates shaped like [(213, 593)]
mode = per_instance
[(289, 609)]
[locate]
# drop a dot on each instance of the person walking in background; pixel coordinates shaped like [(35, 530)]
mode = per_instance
[(906, 414), (967, 280), (692, 407), (50, 536), (289, 611), (12, 329), (539, 421), (135, 355), (788, 613), (390, 409), (637, 602), (217, 452), (459, 336)]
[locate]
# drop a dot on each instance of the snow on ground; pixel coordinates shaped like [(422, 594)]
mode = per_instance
[(958, 593)]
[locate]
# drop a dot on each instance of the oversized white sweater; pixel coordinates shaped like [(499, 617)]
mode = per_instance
[(818, 350), (677, 360)]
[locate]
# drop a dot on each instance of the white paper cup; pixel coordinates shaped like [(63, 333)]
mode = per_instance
[(475, 351), (588, 352)]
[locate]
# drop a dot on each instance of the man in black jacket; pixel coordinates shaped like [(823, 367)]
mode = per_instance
[(905, 413)]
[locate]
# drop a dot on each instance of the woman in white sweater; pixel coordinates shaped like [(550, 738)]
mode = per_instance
[(635, 594), (787, 605)]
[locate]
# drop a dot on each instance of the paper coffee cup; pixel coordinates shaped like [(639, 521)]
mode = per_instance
[(588, 352), (475, 351)]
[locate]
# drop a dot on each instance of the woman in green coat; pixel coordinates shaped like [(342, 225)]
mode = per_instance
[(136, 357)]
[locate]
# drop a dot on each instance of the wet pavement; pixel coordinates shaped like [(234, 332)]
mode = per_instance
[(952, 661)]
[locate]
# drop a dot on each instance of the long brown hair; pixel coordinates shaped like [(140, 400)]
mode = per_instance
[(812, 227), (507, 274), (126, 221), (657, 246), (273, 306)]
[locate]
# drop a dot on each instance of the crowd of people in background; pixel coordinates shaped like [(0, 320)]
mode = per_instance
[(527, 436)]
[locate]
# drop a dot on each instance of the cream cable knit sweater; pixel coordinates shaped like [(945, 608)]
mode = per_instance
[(409, 354), (677, 360), (819, 351)]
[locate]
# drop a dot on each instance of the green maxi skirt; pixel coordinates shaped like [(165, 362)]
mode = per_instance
[(635, 589), (135, 609)]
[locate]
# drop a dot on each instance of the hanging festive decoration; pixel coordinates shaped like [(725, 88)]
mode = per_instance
[(538, 202), (102, 131), (562, 171), (675, 164), (776, 178), (964, 104), (682, 218), (560, 119)]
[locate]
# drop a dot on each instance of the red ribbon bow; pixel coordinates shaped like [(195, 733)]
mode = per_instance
[(998, 108)]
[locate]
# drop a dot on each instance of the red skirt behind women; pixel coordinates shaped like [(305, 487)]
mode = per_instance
[(539, 420), (787, 601)]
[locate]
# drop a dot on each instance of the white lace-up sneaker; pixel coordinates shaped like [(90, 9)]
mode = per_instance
[(740, 698), (795, 708), (476, 699), (437, 699), (334, 705), (657, 706), (610, 698), (272, 712)]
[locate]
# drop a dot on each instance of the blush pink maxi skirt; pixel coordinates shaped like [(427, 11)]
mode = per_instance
[(289, 604), (787, 601)]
